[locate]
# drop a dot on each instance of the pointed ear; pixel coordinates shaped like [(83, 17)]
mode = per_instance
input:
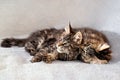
[(78, 37), (68, 29), (104, 46)]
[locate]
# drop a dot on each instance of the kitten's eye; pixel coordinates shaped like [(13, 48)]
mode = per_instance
[(66, 44)]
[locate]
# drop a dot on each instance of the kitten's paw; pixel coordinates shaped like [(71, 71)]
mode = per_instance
[(47, 58), (36, 59), (7, 42), (99, 62)]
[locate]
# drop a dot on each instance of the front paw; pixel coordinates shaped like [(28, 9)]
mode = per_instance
[(35, 59), (47, 59), (99, 62)]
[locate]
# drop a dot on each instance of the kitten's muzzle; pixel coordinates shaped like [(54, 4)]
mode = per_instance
[(62, 49)]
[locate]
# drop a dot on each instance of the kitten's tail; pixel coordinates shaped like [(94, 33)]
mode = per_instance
[(9, 42)]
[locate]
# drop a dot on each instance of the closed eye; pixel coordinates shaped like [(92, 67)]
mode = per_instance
[(65, 42)]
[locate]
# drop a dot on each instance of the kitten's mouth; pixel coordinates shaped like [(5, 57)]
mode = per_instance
[(60, 50)]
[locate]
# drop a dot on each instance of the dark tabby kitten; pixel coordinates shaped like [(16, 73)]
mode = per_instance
[(95, 46)]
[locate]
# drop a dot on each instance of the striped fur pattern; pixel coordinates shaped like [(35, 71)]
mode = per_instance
[(95, 46), (47, 45), (40, 44)]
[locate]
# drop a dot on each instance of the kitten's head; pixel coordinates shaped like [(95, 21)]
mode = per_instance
[(67, 40)]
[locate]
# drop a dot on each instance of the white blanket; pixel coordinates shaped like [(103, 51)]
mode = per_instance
[(15, 65)]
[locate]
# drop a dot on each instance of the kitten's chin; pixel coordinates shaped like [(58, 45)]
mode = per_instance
[(62, 51)]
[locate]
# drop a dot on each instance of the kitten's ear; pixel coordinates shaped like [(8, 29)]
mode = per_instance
[(78, 37), (104, 46), (68, 29)]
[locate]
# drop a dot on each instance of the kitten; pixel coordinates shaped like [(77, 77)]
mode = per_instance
[(95, 46)]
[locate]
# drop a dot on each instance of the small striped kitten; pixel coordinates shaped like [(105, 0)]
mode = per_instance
[(82, 44)]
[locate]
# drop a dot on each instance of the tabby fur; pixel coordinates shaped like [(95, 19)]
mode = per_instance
[(47, 45), (95, 46)]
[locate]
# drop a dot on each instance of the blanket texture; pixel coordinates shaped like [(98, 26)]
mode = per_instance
[(15, 65)]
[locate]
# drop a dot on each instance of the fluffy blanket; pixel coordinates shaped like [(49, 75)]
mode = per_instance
[(15, 65)]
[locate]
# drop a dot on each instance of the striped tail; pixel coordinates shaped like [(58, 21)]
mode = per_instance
[(9, 42)]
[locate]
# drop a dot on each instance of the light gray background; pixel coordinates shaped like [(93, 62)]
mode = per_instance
[(19, 17)]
